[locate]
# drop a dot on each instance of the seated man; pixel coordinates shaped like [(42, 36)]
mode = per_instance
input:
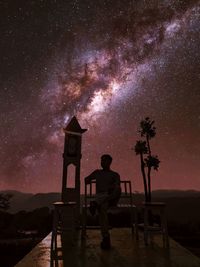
[(108, 192)]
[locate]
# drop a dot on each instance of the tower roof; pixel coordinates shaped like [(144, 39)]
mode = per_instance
[(74, 126)]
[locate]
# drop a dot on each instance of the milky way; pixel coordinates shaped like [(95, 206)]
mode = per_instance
[(110, 63)]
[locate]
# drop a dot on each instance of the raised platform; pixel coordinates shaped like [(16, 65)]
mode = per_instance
[(125, 252)]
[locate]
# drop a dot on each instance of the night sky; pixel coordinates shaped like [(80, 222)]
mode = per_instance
[(111, 63)]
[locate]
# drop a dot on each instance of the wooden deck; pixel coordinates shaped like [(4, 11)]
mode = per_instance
[(125, 252)]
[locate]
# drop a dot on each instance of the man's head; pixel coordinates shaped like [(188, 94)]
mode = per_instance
[(106, 161)]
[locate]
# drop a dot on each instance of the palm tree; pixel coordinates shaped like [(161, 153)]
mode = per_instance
[(141, 149), (151, 162), (148, 131)]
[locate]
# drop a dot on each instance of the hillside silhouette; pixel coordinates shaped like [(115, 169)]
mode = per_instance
[(176, 200), (28, 201)]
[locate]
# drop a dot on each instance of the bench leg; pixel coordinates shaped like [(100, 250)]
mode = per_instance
[(84, 218), (146, 226), (136, 223)]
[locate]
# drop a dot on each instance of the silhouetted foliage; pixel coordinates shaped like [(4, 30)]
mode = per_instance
[(147, 128), (5, 201), (12, 225), (142, 147), (20, 232), (152, 162)]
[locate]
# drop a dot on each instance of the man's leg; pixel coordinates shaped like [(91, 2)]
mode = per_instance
[(114, 197), (103, 220), (93, 207), (100, 198)]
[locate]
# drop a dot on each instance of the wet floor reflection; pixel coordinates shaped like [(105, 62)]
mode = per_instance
[(125, 252)]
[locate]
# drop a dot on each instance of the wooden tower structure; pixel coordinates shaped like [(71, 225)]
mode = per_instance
[(72, 158)]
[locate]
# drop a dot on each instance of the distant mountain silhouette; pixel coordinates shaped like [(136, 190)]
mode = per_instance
[(175, 193), (18, 199), (27, 201), (42, 200), (176, 200)]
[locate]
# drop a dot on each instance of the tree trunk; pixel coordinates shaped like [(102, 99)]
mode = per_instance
[(148, 145), (144, 177), (149, 170), (149, 184)]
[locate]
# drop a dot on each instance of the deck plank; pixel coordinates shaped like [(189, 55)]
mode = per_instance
[(125, 252)]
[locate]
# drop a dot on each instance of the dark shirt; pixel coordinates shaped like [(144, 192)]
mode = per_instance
[(106, 180)]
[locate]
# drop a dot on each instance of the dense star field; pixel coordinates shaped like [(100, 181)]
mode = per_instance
[(111, 63)]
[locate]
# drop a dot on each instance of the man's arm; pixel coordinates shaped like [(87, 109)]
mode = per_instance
[(90, 177), (115, 187), (116, 180)]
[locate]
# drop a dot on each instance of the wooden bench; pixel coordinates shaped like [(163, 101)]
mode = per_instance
[(125, 202)]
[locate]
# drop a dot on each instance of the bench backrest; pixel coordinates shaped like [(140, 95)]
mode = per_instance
[(126, 192)]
